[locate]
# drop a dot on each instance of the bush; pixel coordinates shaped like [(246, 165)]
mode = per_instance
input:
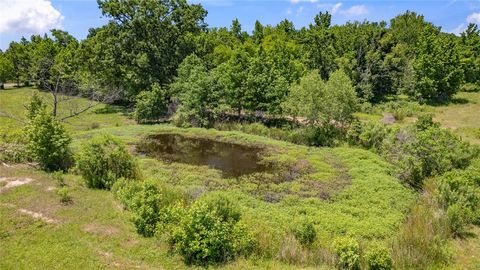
[(150, 203), (151, 105), (348, 252), (103, 160), (458, 218), (424, 151), (368, 135), (64, 195), (146, 209), (48, 142), (305, 233), (379, 258), (470, 87), (211, 233), (13, 148), (59, 178), (459, 192)]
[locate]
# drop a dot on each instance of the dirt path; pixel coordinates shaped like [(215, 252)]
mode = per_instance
[(8, 183)]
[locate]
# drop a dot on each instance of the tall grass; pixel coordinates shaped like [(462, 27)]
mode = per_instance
[(423, 239)]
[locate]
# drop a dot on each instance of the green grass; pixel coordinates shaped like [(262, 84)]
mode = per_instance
[(13, 101), (342, 191), (463, 115)]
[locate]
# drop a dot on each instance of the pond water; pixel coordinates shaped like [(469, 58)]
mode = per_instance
[(232, 159)]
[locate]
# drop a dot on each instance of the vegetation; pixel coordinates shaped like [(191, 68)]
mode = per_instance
[(339, 186), (103, 160), (48, 142)]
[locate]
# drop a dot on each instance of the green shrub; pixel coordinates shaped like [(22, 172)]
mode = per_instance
[(150, 203), (103, 160), (459, 192), (379, 258), (146, 209), (124, 190), (424, 151), (305, 233), (458, 218), (368, 135), (59, 178), (470, 87), (211, 233), (35, 106), (48, 142), (64, 195), (348, 252), (151, 105), (13, 148)]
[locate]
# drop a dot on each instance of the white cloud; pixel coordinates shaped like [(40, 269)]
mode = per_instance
[(474, 18), (28, 16), (300, 10), (336, 8), (298, 1), (458, 30), (350, 12), (355, 11), (332, 8)]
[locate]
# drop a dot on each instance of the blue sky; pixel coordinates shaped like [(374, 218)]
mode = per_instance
[(25, 17)]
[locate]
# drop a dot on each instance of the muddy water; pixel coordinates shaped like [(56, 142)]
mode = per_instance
[(232, 159)]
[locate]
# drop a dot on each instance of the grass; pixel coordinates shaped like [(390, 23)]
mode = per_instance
[(13, 101), (342, 191), (462, 115)]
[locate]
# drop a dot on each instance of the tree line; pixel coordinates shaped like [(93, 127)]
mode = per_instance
[(163, 57)]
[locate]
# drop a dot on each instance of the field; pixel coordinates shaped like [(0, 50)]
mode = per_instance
[(342, 191)]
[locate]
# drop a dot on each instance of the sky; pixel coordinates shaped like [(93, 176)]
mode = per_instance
[(26, 17)]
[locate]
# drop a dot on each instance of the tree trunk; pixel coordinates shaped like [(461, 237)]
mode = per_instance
[(2, 86), (55, 101)]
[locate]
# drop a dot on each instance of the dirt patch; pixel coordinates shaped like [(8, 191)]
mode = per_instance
[(37, 215), (388, 118), (99, 229), (13, 182)]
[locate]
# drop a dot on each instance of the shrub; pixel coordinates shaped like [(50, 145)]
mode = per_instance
[(59, 178), (305, 233), (151, 204), (211, 233), (48, 142), (470, 87), (368, 135), (64, 195), (124, 190), (103, 160), (151, 105), (425, 151), (348, 251), (379, 258), (458, 218), (146, 208), (13, 148), (35, 106), (459, 192)]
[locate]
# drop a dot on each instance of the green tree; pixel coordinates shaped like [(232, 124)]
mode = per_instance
[(151, 105), (151, 39), (322, 102), (103, 160), (437, 68), (48, 142), (6, 69)]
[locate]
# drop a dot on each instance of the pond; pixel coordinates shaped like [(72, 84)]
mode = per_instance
[(232, 159)]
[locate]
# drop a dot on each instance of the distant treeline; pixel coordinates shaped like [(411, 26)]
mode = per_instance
[(141, 48)]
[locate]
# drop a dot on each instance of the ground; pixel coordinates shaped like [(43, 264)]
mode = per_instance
[(361, 198)]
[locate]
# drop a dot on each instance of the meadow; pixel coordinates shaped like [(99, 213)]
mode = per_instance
[(341, 190)]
